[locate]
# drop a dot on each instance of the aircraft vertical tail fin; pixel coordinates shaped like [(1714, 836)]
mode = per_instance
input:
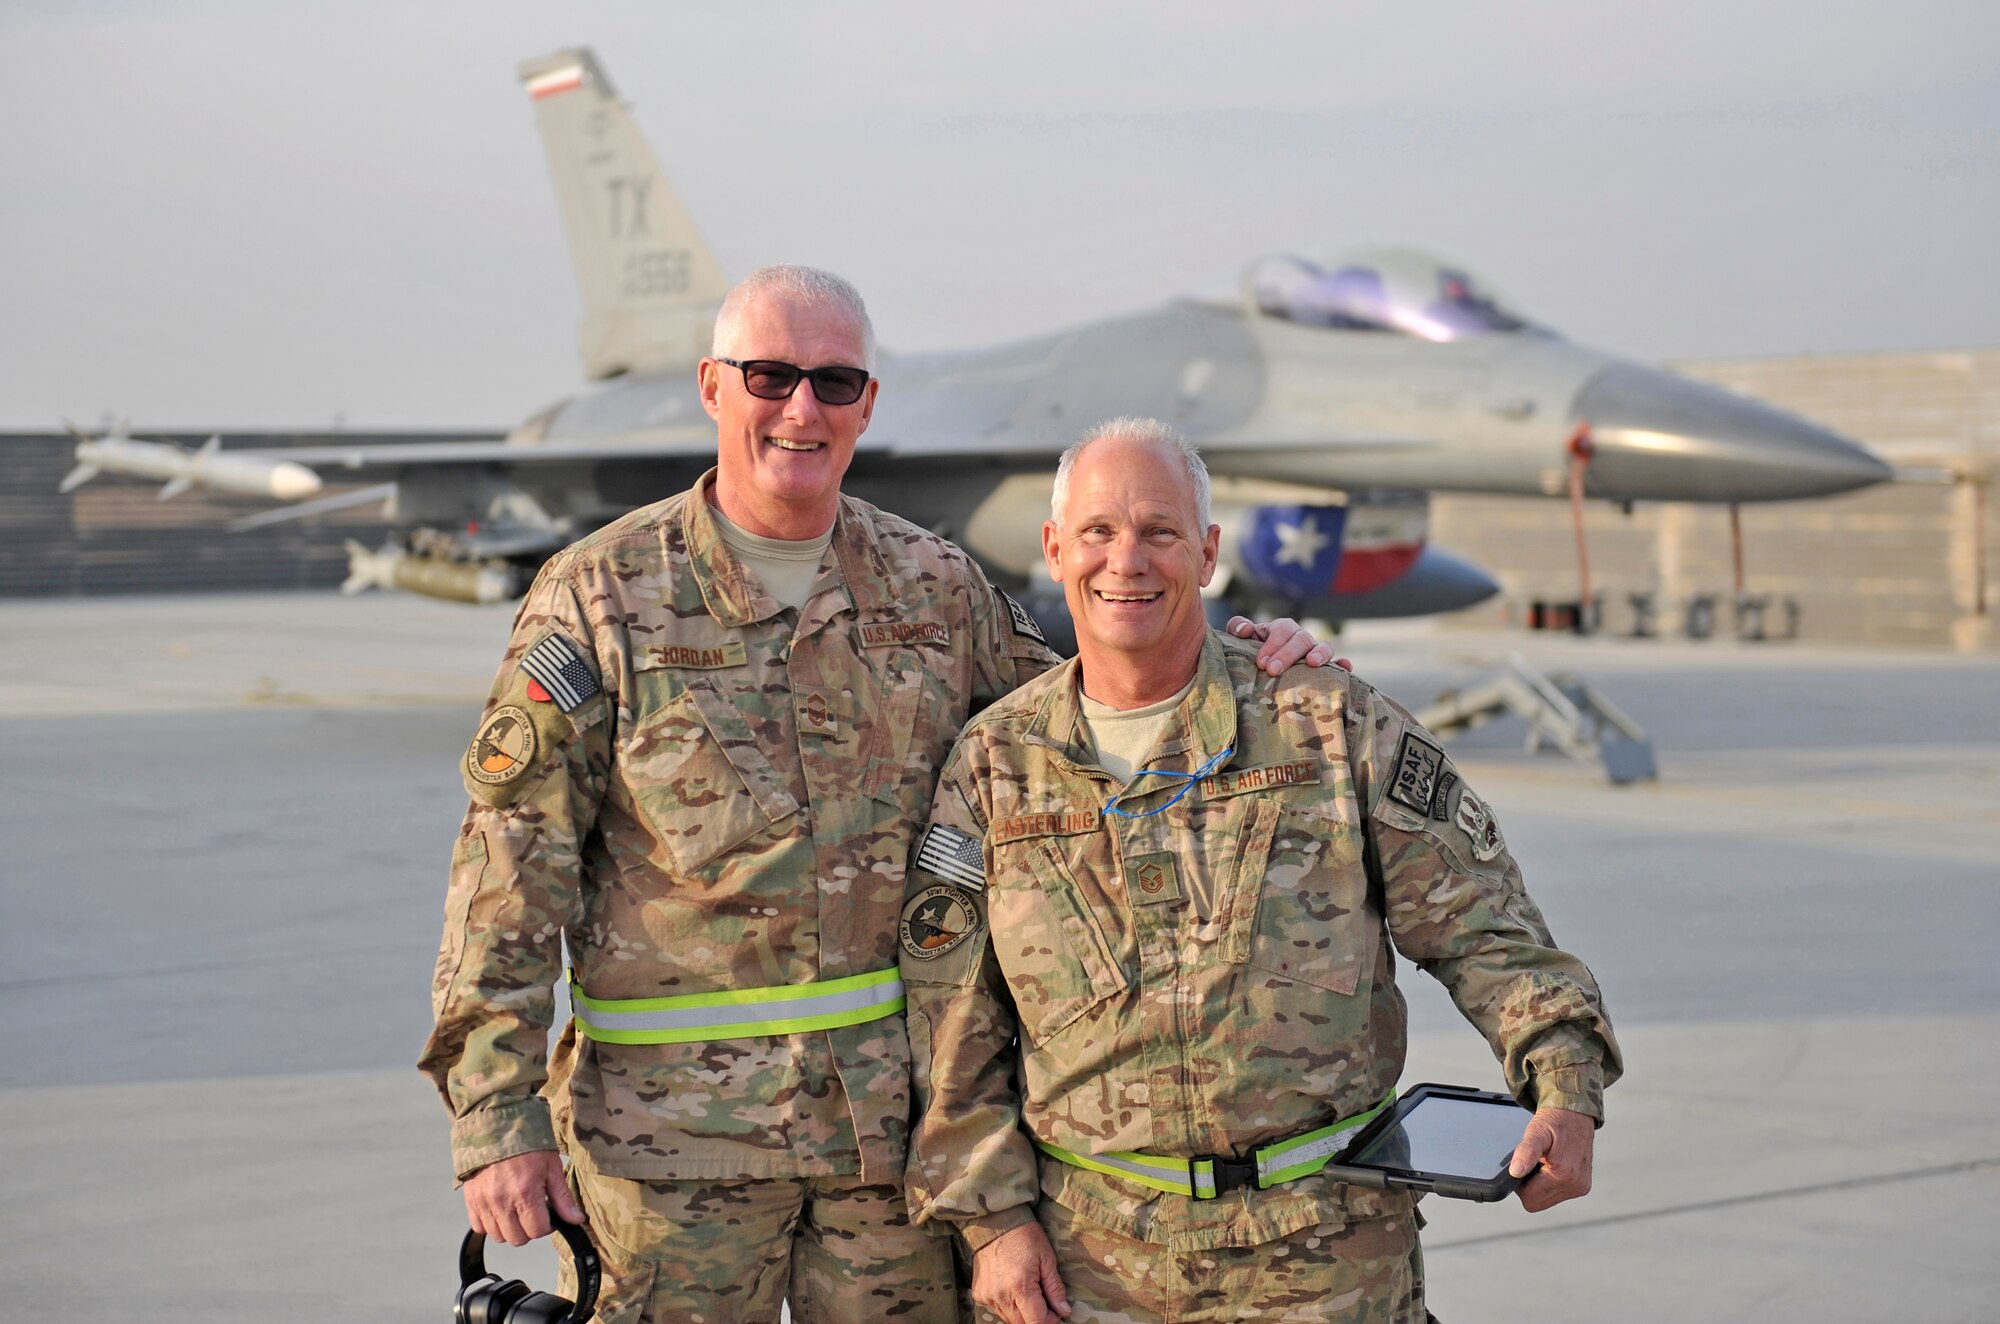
[(650, 285)]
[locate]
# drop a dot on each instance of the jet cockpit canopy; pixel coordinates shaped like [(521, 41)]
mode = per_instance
[(1393, 290)]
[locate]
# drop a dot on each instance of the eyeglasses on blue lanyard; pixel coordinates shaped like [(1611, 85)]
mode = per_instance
[(1187, 779)]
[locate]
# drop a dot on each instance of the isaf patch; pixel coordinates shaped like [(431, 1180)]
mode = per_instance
[(1474, 817), (1024, 621), (936, 920), (557, 666), (953, 856), (503, 749), (1418, 763)]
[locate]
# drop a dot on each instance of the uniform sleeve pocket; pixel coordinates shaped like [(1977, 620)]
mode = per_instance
[(468, 868), (697, 778)]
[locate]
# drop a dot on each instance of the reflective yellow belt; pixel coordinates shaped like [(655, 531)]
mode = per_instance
[(1209, 1175), (738, 1013)]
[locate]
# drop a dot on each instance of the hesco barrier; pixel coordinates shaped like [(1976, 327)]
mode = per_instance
[(115, 536)]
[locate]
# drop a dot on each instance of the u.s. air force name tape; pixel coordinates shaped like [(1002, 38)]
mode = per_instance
[(953, 856), (557, 665)]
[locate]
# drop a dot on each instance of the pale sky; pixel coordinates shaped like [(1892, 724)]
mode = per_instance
[(232, 214)]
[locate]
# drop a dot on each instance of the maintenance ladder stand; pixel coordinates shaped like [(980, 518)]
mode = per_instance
[(1562, 711)]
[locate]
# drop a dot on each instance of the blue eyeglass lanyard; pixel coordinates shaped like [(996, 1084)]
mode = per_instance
[(1187, 779)]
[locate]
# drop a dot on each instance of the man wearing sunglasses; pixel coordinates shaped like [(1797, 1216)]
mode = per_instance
[(718, 722), (1150, 932)]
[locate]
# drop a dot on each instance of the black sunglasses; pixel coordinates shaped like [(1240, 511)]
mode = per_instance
[(769, 379)]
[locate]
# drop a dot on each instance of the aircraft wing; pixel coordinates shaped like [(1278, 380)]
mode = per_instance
[(1016, 445), (1190, 364), (1009, 407), (938, 425), (364, 458), (296, 473)]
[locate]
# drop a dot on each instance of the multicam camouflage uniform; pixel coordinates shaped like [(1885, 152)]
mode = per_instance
[(1209, 979), (700, 791)]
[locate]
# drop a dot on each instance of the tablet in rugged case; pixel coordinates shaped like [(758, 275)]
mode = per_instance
[(1442, 1139)]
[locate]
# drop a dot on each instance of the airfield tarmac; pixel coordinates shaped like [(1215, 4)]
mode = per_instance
[(226, 821)]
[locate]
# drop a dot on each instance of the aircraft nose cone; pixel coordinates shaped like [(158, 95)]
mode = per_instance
[(1664, 438)]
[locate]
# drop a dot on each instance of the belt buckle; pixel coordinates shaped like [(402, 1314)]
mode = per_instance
[(1230, 1173)]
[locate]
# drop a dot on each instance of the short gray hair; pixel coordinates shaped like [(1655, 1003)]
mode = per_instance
[(1132, 428), (806, 285)]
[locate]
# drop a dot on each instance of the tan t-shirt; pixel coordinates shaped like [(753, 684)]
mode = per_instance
[(785, 569), (1124, 737)]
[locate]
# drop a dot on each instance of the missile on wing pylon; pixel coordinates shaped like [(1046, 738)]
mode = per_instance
[(430, 576), (210, 467)]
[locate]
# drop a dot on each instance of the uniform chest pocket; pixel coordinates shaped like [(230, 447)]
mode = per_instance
[(697, 778), (1049, 945), (914, 714), (1299, 907)]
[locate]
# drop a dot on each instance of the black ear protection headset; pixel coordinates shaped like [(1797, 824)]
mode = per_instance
[(484, 1299)]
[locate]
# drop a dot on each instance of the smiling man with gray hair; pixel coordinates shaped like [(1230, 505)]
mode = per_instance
[(1149, 944)]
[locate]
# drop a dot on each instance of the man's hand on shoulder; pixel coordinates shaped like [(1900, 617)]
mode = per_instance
[(509, 1200), (1554, 1155), (1285, 642), (1014, 1276)]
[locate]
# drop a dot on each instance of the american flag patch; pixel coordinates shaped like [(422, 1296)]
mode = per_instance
[(953, 856), (559, 666)]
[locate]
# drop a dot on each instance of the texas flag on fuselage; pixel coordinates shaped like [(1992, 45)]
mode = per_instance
[(1309, 551), (1295, 547)]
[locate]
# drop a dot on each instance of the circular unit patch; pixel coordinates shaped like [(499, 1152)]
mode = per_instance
[(503, 749), (936, 920)]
